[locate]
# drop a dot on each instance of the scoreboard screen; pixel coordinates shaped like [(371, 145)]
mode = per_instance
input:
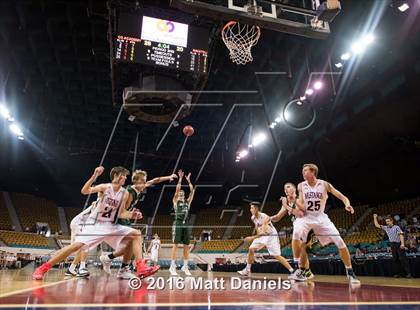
[(153, 41)]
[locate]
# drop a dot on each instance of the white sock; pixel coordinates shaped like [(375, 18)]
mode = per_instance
[(72, 267), (186, 263), (82, 265), (248, 267), (173, 263), (291, 270)]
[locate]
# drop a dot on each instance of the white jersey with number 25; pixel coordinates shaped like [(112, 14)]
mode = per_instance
[(315, 197)]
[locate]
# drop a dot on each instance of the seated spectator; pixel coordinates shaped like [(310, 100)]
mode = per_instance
[(412, 243), (359, 253), (403, 224)]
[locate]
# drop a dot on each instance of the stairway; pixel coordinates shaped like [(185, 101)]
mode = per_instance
[(360, 220), (12, 212), (64, 226)]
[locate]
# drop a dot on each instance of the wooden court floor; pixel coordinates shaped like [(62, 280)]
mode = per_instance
[(18, 290)]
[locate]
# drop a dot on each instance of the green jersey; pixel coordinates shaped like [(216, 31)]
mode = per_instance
[(135, 199), (181, 209)]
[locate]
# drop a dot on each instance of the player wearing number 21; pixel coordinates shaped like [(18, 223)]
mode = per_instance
[(313, 194), (103, 226)]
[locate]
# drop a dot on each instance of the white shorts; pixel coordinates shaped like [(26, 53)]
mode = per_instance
[(272, 243), (154, 256), (324, 229), (74, 226), (92, 235)]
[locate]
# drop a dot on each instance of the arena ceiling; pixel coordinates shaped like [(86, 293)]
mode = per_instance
[(56, 78)]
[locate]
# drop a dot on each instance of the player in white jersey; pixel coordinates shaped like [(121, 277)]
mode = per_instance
[(154, 249), (288, 206), (266, 237), (81, 256), (313, 194), (100, 225)]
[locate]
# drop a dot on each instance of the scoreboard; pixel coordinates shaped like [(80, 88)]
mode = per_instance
[(153, 41)]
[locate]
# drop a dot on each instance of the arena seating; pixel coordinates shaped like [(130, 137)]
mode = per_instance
[(207, 220), (163, 226), (343, 219), (220, 246), (243, 226), (71, 213), (4, 215), (19, 239), (31, 209)]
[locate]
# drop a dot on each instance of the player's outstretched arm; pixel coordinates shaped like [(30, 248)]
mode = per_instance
[(158, 180), (340, 196), (88, 188), (279, 215), (375, 221), (178, 186), (192, 189)]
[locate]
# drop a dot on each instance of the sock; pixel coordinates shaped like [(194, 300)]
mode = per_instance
[(186, 262), (349, 270), (303, 269), (173, 263), (295, 263), (82, 265), (248, 267), (111, 256), (72, 267), (307, 269), (291, 270), (123, 265)]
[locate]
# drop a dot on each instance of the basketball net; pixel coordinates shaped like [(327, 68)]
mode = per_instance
[(239, 39)]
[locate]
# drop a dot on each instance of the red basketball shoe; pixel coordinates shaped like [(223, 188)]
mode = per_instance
[(41, 271)]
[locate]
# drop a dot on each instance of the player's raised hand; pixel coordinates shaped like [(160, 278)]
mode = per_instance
[(283, 201), (180, 174), (350, 209), (375, 215), (98, 171), (137, 214), (188, 177)]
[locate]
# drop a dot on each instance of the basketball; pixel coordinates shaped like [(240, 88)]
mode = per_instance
[(188, 131)]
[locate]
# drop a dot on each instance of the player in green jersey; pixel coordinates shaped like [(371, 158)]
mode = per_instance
[(181, 232)]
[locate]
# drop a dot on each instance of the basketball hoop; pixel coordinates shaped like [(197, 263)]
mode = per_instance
[(239, 39)]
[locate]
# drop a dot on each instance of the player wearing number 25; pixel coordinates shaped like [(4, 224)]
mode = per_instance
[(313, 194)]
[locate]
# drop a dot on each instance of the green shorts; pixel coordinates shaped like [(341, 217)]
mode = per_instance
[(181, 233), (125, 222)]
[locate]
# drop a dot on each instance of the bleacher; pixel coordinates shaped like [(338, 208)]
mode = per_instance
[(31, 209), (71, 213), (343, 219), (4, 215), (220, 246), (24, 240), (209, 219), (163, 226)]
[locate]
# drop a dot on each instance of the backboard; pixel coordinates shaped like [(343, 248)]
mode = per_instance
[(296, 19)]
